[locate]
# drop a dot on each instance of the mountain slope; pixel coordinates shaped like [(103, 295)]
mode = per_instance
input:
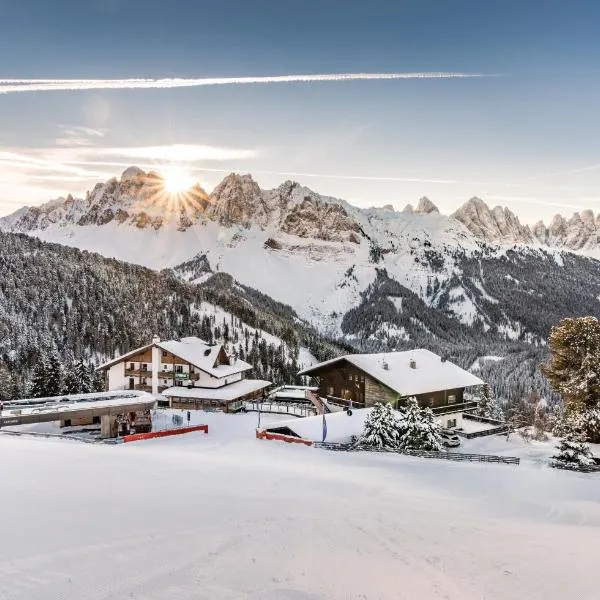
[(91, 307)]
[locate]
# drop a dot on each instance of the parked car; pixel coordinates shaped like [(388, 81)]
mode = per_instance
[(450, 439)]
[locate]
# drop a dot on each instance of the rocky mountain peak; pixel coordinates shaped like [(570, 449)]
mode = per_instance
[(237, 200), (497, 225), (132, 173), (426, 206)]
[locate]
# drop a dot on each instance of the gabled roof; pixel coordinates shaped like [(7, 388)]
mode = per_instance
[(203, 356), (431, 373), (194, 351)]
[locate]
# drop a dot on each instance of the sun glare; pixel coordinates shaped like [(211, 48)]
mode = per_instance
[(177, 181)]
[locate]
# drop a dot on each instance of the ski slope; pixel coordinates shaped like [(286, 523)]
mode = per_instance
[(226, 516)]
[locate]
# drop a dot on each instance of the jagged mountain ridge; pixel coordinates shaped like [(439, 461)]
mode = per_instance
[(500, 225), (138, 198)]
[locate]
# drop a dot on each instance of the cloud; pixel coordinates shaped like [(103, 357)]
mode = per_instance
[(9, 86), (176, 153)]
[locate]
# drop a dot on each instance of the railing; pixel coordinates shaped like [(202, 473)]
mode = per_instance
[(287, 408), (137, 373), (453, 408), (500, 427), (456, 456)]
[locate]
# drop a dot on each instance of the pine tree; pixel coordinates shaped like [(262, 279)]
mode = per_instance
[(590, 420), (97, 382), (54, 375), (487, 405), (84, 377), (71, 382), (421, 432), (573, 452), (380, 429), (574, 367), (39, 386)]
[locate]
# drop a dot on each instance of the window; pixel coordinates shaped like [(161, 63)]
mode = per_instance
[(165, 353), (165, 367), (131, 366), (178, 368), (451, 423), (96, 420), (143, 367), (451, 399), (165, 381), (180, 383), (330, 391)]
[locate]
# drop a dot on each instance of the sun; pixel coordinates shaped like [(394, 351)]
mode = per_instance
[(177, 181)]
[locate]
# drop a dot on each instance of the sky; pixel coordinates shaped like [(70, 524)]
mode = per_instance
[(519, 127)]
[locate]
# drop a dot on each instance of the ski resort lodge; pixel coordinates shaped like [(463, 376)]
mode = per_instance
[(361, 380), (190, 373)]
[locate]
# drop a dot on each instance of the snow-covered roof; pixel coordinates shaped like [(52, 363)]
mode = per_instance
[(80, 402), (224, 394), (203, 356), (393, 369), (194, 351)]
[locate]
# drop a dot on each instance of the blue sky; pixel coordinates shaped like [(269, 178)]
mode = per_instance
[(527, 138)]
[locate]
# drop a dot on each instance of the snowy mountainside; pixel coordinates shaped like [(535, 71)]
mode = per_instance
[(375, 278), (93, 308)]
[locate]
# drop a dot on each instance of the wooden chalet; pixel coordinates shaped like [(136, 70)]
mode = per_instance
[(362, 380)]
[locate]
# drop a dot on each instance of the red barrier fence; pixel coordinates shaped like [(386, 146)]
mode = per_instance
[(157, 434), (290, 439)]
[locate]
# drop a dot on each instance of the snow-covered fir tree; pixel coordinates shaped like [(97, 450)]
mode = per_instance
[(54, 375), (71, 383), (590, 419), (97, 381), (381, 428), (573, 451), (39, 380), (487, 405), (421, 432)]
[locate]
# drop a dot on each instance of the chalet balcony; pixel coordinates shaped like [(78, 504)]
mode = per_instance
[(453, 408), (178, 376), (137, 373)]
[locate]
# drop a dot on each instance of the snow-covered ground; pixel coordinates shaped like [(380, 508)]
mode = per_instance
[(226, 516)]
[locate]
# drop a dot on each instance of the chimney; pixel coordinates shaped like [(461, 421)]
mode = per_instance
[(155, 339), (385, 366), (413, 363)]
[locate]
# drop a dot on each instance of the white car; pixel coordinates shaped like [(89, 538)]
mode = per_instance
[(450, 439)]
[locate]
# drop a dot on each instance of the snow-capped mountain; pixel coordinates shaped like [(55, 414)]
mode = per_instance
[(137, 198), (332, 261), (499, 225)]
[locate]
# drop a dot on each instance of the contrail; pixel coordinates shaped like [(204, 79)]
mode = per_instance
[(8, 86)]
